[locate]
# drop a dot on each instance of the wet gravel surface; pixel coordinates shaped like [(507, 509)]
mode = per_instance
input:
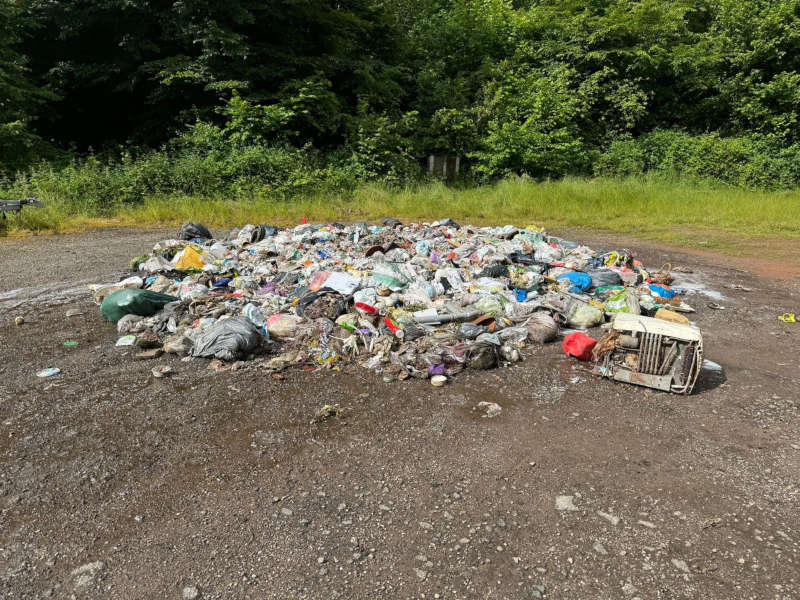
[(208, 484)]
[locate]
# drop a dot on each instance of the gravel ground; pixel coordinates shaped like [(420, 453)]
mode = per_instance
[(114, 484)]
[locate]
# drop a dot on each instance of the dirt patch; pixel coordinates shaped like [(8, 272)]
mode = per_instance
[(115, 484)]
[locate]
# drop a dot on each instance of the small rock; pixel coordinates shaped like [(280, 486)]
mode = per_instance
[(148, 354), (614, 520), (492, 409), (680, 565), (599, 548), (190, 592), (287, 512), (538, 591), (217, 365), (384, 508), (564, 503), (628, 588), (420, 573), (162, 371), (85, 575), (646, 524), (426, 526), (73, 312)]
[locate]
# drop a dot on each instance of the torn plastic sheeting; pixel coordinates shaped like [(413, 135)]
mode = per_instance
[(228, 339)]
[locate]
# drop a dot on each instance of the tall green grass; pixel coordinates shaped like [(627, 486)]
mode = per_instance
[(686, 213)]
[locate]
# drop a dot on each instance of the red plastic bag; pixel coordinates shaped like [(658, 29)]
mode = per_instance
[(579, 345)]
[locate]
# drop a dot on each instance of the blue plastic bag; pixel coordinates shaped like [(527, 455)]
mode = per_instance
[(661, 291), (580, 281)]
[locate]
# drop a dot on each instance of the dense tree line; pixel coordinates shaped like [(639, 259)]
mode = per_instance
[(543, 87)]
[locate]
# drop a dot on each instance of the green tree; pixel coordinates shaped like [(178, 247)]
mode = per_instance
[(136, 69), (18, 97), (531, 124)]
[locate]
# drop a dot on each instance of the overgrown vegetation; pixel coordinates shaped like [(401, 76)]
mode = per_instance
[(733, 220), (106, 105)]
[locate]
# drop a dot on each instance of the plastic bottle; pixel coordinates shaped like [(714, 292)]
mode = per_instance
[(367, 308)]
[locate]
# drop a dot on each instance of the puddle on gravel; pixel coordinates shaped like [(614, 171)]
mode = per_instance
[(47, 295), (695, 283)]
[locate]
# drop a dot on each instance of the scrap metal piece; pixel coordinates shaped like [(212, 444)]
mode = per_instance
[(653, 353), (15, 206)]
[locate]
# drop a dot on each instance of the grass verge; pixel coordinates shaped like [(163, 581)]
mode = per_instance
[(685, 214)]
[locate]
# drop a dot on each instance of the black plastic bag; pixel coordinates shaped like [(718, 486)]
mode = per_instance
[(494, 271), (191, 230), (601, 277), (449, 223)]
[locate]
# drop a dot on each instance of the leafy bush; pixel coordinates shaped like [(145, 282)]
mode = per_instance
[(750, 161), (530, 125), (99, 187), (383, 148)]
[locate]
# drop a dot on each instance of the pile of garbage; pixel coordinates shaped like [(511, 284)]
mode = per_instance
[(423, 300)]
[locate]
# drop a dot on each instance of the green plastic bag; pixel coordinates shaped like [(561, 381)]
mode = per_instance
[(133, 302), (624, 302), (602, 290)]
